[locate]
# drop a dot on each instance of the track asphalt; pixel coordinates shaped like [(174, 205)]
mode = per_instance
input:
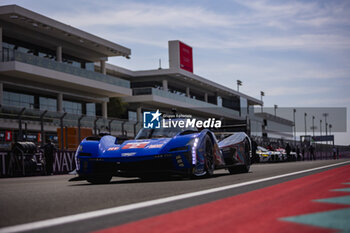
[(315, 203), (296, 202)]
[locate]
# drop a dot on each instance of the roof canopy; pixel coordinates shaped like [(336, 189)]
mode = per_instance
[(18, 22)]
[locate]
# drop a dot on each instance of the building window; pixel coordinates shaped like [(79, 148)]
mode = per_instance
[(90, 66), (72, 107), (49, 104), (132, 116), (244, 106), (90, 109), (232, 103), (219, 101), (18, 100), (35, 50)]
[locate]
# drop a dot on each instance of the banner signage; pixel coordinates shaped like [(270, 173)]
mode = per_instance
[(8, 136), (186, 60), (325, 138)]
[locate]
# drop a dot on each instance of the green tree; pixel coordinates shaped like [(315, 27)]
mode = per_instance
[(117, 108)]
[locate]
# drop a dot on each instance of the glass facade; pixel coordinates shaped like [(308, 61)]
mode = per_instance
[(45, 53), (46, 103), (72, 107), (90, 109), (90, 66), (18, 100), (231, 102), (49, 104), (219, 101), (244, 106), (132, 116)]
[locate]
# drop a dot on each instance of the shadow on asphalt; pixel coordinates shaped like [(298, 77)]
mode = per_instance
[(152, 180)]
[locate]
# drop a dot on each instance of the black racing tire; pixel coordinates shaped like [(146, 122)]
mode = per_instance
[(247, 159), (233, 170), (100, 179), (209, 157), (246, 167)]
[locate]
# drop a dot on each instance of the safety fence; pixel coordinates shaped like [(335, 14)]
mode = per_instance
[(14, 165), (39, 126)]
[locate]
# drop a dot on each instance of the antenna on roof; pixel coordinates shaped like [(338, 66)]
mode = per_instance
[(160, 64)]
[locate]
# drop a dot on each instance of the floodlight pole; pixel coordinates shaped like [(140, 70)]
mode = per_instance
[(313, 125), (42, 128), (325, 120), (295, 131), (275, 107), (262, 103), (239, 83), (305, 114)]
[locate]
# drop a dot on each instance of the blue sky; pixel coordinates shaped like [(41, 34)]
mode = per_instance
[(297, 52)]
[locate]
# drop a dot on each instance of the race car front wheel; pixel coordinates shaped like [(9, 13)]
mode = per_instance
[(209, 157)]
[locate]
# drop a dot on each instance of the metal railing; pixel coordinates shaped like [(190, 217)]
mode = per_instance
[(169, 95), (205, 106), (113, 125), (14, 55)]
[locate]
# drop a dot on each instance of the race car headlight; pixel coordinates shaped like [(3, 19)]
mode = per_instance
[(193, 143), (79, 149), (77, 162)]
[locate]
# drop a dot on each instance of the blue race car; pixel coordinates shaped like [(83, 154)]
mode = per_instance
[(166, 151)]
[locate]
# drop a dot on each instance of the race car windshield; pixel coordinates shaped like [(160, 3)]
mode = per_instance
[(162, 132)]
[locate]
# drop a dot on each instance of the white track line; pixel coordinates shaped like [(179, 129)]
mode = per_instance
[(119, 209)]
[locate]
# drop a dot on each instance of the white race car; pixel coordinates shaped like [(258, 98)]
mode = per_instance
[(266, 155)]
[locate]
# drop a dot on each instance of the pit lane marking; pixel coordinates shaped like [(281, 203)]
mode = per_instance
[(129, 207)]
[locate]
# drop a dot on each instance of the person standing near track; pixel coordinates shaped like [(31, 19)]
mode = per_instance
[(254, 154), (312, 152), (303, 151), (337, 153), (288, 150), (49, 150), (298, 153)]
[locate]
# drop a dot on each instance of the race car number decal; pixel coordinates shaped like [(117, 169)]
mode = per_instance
[(113, 148), (134, 145), (155, 146)]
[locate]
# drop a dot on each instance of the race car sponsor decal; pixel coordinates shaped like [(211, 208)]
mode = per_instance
[(113, 148), (134, 145), (128, 154), (155, 146)]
